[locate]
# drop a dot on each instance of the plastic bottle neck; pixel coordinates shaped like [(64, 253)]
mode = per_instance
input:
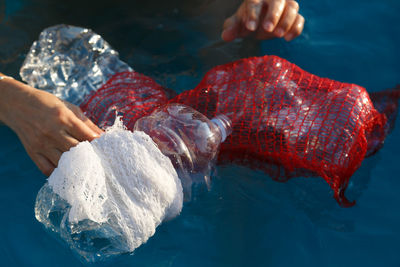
[(224, 125)]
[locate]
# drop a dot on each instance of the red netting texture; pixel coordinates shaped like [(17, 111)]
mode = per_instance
[(286, 121), (129, 93)]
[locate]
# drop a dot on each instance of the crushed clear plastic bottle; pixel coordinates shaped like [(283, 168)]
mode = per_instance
[(191, 142), (188, 138), (70, 62)]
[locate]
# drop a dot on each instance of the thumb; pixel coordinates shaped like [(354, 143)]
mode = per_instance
[(230, 28)]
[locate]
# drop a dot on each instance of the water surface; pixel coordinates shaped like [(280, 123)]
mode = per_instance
[(246, 219)]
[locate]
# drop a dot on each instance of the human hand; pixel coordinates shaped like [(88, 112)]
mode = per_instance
[(266, 19), (46, 126)]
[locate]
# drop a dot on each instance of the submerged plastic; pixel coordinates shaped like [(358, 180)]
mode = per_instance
[(104, 199), (108, 196), (285, 120), (188, 138), (289, 122), (70, 62)]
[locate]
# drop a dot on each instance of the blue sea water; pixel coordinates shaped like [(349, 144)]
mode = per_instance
[(246, 219)]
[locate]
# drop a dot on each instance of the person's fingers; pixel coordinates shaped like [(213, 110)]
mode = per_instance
[(79, 113), (252, 11), (88, 122), (230, 29), (263, 35), (93, 126), (44, 165), (287, 19), (80, 131), (229, 22), (53, 155), (296, 28), (274, 13), (65, 141)]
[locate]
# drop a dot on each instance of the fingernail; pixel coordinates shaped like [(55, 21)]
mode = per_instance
[(268, 26), (251, 25), (279, 32)]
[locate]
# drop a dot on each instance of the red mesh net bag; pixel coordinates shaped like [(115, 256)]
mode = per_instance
[(129, 93), (286, 121)]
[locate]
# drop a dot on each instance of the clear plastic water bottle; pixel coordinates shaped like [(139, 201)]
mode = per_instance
[(188, 138)]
